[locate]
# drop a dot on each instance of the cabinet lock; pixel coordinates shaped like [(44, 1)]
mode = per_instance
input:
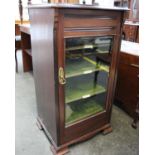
[(62, 79)]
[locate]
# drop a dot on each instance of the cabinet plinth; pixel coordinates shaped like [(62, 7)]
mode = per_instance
[(75, 56)]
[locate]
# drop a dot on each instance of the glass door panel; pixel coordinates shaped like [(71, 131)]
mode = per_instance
[(87, 63)]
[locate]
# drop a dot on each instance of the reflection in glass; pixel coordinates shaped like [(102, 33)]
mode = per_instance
[(87, 64)]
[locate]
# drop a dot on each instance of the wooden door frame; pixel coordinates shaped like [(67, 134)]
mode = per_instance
[(104, 117)]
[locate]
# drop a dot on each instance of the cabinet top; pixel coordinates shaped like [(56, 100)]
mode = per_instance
[(76, 6)]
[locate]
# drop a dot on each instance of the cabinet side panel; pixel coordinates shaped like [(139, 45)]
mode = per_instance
[(42, 27)]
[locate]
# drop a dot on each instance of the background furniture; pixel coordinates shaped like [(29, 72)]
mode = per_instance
[(122, 3), (74, 88), (131, 26), (21, 9), (17, 43), (26, 47), (133, 5), (134, 10), (127, 88), (131, 31)]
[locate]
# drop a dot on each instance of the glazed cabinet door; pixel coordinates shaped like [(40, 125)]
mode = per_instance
[(87, 58), (86, 80), (87, 64)]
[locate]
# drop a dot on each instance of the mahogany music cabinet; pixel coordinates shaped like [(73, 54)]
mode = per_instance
[(75, 56)]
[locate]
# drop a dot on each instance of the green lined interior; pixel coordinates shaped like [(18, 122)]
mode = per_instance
[(87, 46), (83, 65), (84, 108), (76, 91), (86, 77)]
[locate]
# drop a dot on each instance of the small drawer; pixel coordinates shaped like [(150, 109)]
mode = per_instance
[(86, 22), (89, 19)]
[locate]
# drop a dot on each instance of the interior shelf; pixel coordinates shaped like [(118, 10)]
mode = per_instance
[(84, 108), (81, 90), (88, 46), (83, 65)]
